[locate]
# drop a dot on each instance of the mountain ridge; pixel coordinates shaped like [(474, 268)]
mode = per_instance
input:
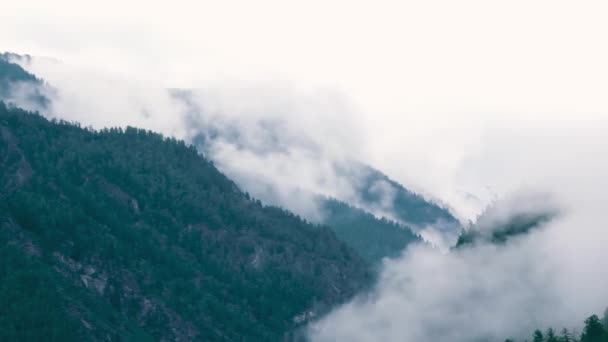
[(150, 234)]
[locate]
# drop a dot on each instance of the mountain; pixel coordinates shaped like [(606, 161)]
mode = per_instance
[(377, 191), (503, 231), (11, 74), (380, 219), (508, 219), (271, 137), (389, 201), (385, 216), (127, 235), (19, 86), (373, 238)]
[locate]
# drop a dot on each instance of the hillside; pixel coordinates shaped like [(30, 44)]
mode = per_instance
[(18, 86), (508, 219), (10, 74), (124, 234), (264, 139), (405, 205), (373, 238)]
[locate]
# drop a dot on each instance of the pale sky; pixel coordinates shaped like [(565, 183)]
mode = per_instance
[(462, 101), (515, 55), (428, 77)]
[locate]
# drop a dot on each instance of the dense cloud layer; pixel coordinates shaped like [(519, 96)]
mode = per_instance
[(549, 277), (481, 292), (426, 77), (464, 102), (283, 144)]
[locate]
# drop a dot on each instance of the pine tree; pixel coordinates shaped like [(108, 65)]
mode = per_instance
[(538, 336), (566, 336), (594, 331), (551, 336)]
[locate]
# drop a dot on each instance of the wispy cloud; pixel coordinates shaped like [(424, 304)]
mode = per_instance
[(463, 102)]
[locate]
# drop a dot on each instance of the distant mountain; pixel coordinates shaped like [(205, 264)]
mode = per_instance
[(378, 192), (10, 74), (18, 86), (126, 235), (374, 238), (501, 232), (373, 191), (508, 219), (389, 209), (385, 217)]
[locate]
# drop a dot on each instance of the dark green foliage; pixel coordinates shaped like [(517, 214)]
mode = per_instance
[(551, 337), (538, 336), (371, 237), (407, 206), (566, 336), (31, 308), (593, 331), (12, 74), (126, 234), (501, 232)]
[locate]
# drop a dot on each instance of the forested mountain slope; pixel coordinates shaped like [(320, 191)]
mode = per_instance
[(10, 74), (509, 219), (18, 85), (124, 234), (404, 205), (271, 140), (373, 238)]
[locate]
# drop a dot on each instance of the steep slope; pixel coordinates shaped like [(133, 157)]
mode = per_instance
[(509, 218), (373, 238), (379, 217), (11, 73), (126, 234), (264, 140), (20, 87), (378, 192), (503, 231)]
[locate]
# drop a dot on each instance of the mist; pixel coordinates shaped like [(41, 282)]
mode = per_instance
[(468, 104), (548, 277), (277, 142)]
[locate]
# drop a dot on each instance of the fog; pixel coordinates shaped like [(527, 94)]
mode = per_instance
[(427, 77), (549, 278), (468, 103)]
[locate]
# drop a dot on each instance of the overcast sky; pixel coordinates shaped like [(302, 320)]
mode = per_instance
[(427, 77), (428, 80), (462, 101)]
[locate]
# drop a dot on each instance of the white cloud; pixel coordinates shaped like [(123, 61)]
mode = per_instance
[(550, 277), (463, 101), (438, 70)]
